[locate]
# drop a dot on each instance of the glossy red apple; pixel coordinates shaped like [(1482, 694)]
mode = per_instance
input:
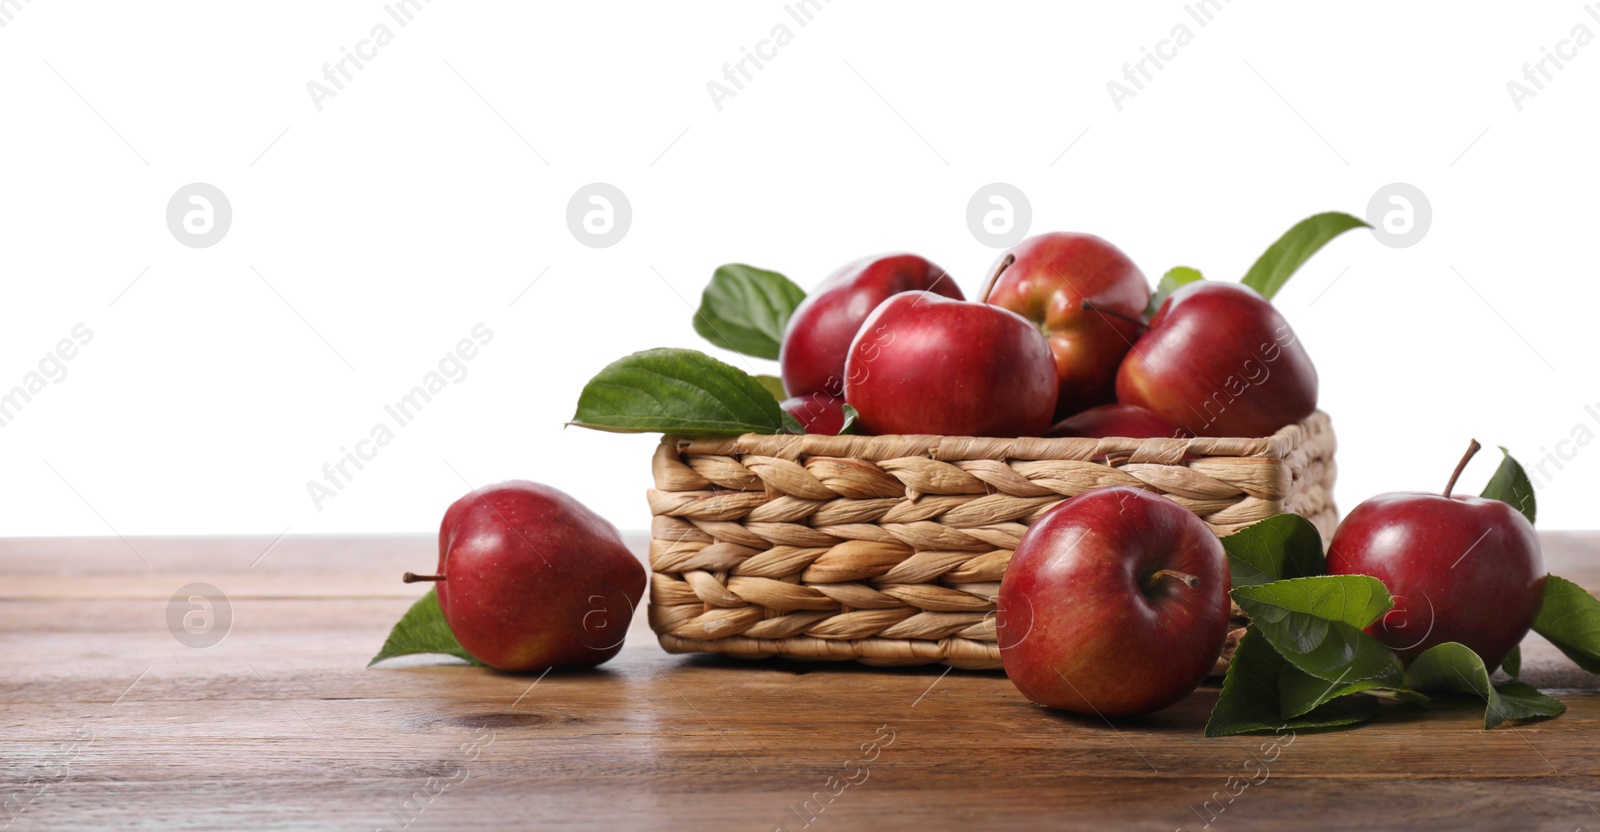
[(1463, 569), (818, 413), (530, 578), (1220, 361), (1118, 420), (819, 332), (1115, 604), (1047, 279), (923, 363)]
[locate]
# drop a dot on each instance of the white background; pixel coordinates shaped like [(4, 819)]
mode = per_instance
[(404, 212)]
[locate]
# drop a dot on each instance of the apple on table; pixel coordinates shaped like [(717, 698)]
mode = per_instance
[(1460, 568), (529, 578), (1115, 603)]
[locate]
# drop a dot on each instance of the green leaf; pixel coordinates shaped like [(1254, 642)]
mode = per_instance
[(1356, 600), (1315, 623), (774, 386), (1512, 664), (852, 422), (1570, 619), (1279, 547), (745, 309), (1453, 666), (1174, 279), (422, 630), (1250, 700), (1510, 485), (677, 391), (1294, 248), (1300, 692)]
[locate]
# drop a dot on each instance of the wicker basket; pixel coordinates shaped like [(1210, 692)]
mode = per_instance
[(889, 550)]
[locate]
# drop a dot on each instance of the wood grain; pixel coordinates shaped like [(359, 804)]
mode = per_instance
[(282, 726)]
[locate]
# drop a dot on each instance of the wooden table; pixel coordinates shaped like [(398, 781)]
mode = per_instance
[(282, 726)]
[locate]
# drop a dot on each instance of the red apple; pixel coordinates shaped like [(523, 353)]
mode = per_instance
[(923, 363), (1047, 279), (1463, 569), (819, 332), (530, 578), (1220, 361), (1115, 604), (1118, 420), (818, 413)]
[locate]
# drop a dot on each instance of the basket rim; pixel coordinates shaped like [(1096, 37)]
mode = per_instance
[(899, 446)]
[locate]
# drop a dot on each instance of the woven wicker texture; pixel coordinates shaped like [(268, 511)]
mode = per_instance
[(889, 549)]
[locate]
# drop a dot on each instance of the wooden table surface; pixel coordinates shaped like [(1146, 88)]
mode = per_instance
[(282, 726)]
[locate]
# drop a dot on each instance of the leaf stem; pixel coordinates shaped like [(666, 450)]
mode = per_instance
[(1155, 578), (1461, 466), (1112, 313), (1005, 263)]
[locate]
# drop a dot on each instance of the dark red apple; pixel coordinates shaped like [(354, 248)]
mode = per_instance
[(530, 578), (1118, 420), (1220, 361), (818, 413), (1463, 569), (1115, 604), (819, 332), (1047, 279), (923, 363)]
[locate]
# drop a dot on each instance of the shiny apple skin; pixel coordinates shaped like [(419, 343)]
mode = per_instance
[(1461, 568), (534, 579), (818, 335), (1118, 420), (1047, 283), (1077, 629), (818, 413), (1219, 360), (927, 364)]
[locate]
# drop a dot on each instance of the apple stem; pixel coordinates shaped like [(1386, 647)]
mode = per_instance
[(995, 278), (1155, 578), (1461, 466), (1112, 313), (412, 577)]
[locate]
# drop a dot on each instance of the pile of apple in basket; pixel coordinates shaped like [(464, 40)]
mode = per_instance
[(1116, 602)]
